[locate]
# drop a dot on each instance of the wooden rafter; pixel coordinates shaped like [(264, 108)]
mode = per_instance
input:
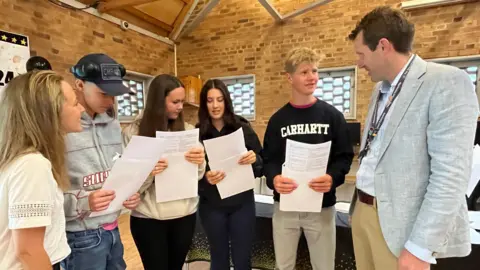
[(201, 15), (124, 15), (118, 4), (149, 18), (182, 18)]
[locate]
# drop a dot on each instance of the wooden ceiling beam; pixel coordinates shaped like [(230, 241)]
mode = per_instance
[(200, 16), (182, 18), (149, 19), (118, 4), (124, 15)]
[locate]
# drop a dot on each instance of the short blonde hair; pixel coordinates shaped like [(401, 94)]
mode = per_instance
[(297, 56), (30, 121)]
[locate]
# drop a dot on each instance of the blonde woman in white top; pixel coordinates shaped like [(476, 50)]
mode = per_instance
[(37, 109), (163, 232)]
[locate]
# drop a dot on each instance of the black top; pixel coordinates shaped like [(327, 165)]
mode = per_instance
[(209, 193), (313, 124)]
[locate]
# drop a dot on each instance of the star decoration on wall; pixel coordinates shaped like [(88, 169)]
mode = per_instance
[(13, 38)]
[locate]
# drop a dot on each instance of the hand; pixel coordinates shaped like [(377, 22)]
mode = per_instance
[(321, 184), (99, 200), (161, 165), (284, 185), (132, 202), (249, 158), (408, 261), (195, 155), (213, 177)]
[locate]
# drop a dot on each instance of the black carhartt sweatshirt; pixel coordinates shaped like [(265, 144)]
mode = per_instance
[(316, 123)]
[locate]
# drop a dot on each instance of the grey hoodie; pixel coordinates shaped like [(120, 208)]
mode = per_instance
[(90, 156)]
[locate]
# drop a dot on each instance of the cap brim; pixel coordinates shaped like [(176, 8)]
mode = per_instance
[(115, 89)]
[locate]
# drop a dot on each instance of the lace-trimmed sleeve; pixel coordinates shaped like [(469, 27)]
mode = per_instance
[(31, 189), (29, 215)]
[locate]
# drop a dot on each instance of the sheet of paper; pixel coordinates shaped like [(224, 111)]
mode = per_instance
[(179, 141), (264, 199), (238, 178), (304, 157), (131, 170), (303, 163), (475, 176), (474, 237), (140, 147), (225, 147), (178, 181), (126, 178), (303, 198), (474, 217)]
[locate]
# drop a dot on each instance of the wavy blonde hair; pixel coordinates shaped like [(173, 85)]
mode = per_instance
[(300, 55), (30, 121)]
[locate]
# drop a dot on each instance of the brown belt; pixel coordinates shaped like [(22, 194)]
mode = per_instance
[(365, 198)]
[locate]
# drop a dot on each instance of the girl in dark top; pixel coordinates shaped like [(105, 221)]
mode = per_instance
[(231, 220)]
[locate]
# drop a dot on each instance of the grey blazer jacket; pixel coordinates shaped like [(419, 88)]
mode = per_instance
[(425, 161)]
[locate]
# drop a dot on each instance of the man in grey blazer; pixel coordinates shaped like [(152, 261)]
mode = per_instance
[(409, 207)]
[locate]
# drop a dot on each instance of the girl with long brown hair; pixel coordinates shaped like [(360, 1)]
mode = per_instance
[(163, 232)]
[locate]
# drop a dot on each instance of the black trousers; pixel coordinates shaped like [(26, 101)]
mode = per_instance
[(229, 227), (56, 266), (163, 244)]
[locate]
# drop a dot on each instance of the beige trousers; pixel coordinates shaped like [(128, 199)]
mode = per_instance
[(319, 230), (371, 250)]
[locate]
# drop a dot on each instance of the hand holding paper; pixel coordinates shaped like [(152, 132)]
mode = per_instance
[(238, 178), (213, 177), (161, 165), (249, 158), (99, 200), (128, 174), (195, 155), (321, 184), (230, 161), (307, 164), (284, 185), (132, 202)]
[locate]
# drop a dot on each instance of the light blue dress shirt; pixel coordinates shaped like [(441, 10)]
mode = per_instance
[(365, 179)]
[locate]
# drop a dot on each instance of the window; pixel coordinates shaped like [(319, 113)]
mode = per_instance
[(336, 86), (470, 64), (130, 106), (242, 93)]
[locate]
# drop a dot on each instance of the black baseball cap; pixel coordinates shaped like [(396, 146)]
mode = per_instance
[(39, 63), (103, 71)]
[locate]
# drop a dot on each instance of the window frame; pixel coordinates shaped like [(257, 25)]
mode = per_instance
[(462, 62), (139, 77), (353, 73), (244, 77)]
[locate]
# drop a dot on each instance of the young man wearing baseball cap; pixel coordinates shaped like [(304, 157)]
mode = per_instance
[(95, 241)]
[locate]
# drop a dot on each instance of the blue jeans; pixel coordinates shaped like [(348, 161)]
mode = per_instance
[(97, 249), (227, 227)]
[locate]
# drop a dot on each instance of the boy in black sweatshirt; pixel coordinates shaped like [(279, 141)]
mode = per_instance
[(308, 120)]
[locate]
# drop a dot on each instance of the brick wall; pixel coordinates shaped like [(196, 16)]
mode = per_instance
[(63, 36), (240, 37)]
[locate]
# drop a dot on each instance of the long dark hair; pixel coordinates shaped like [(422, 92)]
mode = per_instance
[(229, 118), (155, 116)]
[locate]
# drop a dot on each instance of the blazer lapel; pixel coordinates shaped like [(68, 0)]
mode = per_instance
[(409, 90)]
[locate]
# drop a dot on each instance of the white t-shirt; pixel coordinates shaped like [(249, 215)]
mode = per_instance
[(30, 198)]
